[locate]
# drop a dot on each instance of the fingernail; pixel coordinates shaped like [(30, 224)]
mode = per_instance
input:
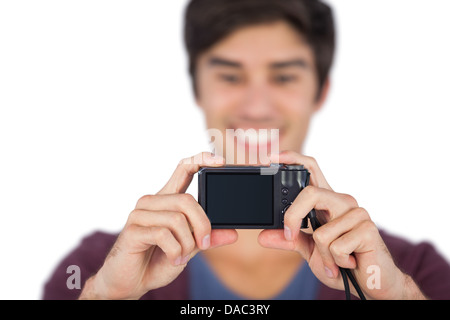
[(178, 261), (185, 259), (206, 242), (287, 233), (329, 273)]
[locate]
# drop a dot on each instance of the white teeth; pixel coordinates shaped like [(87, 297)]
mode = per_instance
[(261, 136)]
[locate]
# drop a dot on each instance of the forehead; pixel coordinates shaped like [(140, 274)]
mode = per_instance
[(262, 44)]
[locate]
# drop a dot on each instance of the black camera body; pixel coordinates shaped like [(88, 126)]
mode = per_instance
[(246, 197)]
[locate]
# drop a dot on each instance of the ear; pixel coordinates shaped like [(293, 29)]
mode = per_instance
[(323, 95)]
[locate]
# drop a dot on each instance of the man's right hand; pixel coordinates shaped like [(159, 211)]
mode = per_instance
[(162, 233)]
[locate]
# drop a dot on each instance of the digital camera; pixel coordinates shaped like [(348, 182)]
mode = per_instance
[(245, 197)]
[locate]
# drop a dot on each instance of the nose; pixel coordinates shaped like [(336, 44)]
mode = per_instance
[(256, 103)]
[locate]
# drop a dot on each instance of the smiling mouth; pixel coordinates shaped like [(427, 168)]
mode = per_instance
[(257, 137)]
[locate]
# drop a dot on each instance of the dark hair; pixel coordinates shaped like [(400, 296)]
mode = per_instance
[(209, 21)]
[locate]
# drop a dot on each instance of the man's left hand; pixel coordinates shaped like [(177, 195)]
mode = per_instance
[(348, 238)]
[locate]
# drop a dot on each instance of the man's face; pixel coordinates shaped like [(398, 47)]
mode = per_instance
[(260, 77)]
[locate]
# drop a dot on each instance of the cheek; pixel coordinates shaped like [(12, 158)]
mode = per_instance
[(217, 102), (296, 106), (221, 100), (297, 101)]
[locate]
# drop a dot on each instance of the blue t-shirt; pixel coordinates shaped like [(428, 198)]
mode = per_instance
[(204, 284)]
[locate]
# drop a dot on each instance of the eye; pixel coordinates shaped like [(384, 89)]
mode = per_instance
[(284, 78), (230, 78)]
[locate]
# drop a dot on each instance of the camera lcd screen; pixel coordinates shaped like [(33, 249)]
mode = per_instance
[(236, 198)]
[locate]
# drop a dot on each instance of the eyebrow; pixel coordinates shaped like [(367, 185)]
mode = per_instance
[(290, 63), (218, 61)]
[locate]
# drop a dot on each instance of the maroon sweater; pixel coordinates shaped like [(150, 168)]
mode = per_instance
[(421, 261)]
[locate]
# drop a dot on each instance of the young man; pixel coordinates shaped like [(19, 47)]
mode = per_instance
[(260, 64)]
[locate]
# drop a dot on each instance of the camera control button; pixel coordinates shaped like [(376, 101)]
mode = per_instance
[(285, 191), (284, 201)]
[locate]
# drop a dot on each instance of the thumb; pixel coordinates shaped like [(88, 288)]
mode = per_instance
[(222, 237), (275, 239)]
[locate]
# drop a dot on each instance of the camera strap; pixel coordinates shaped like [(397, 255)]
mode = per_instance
[(344, 271)]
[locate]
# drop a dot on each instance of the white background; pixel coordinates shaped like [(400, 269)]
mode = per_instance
[(96, 110)]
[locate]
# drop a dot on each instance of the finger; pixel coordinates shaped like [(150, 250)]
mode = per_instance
[(186, 204), (144, 237), (275, 239), (183, 174), (317, 178), (326, 234), (335, 204), (221, 237), (176, 222), (359, 240)]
